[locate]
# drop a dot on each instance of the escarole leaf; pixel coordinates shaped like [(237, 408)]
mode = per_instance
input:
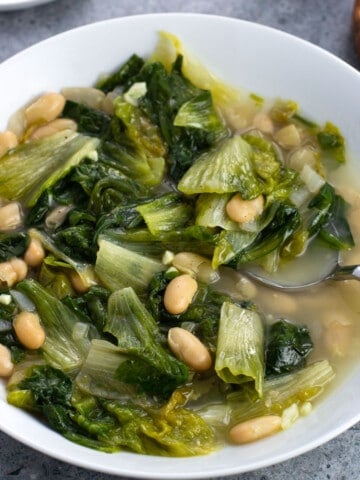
[(229, 100), (59, 258), (168, 430), (332, 142), (145, 170), (234, 243), (149, 366), (240, 347), (287, 346), (144, 134), (167, 91), (265, 160), (328, 219), (45, 390), (166, 213), (32, 167), (193, 238), (284, 223), (230, 243), (280, 392), (98, 372), (111, 191), (199, 112), (225, 169), (146, 139), (62, 349), (122, 75), (211, 211), (12, 244), (89, 120), (119, 267)]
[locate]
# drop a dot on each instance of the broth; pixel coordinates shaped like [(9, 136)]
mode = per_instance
[(330, 310)]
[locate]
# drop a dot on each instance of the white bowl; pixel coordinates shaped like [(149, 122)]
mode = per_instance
[(265, 61), (20, 4)]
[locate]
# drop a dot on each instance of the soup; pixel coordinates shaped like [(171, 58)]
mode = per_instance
[(129, 212)]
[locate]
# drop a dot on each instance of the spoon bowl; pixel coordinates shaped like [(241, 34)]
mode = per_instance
[(317, 265)]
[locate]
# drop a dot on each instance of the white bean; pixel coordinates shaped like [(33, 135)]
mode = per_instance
[(247, 288), (8, 140), (35, 253), (195, 265), (10, 216), (92, 97), (337, 339), (8, 276), (29, 330), (263, 122), (57, 125), (20, 267), (77, 282), (179, 294), (6, 364), (255, 429), (189, 349), (284, 303), (244, 211), (45, 109)]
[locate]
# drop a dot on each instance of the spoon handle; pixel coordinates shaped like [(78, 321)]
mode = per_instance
[(347, 272)]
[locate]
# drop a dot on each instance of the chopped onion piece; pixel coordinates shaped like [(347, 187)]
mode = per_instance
[(312, 180)]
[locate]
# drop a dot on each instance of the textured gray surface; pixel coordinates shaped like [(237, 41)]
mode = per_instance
[(324, 22)]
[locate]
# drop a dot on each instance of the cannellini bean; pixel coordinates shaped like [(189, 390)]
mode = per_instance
[(247, 288), (288, 137), (20, 268), (263, 122), (195, 265), (35, 253), (179, 293), (92, 97), (189, 349), (337, 339), (283, 302), (8, 140), (107, 105), (17, 123), (350, 292), (8, 276), (350, 195), (45, 109), (57, 216), (244, 211), (29, 330), (55, 126), (354, 220), (6, 364), (77, 282), (255, 429), (10, 216)]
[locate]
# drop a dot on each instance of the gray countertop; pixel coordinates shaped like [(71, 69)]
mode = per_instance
[(324, 22)]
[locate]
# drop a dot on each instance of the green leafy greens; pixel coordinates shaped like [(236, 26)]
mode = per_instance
[(149, 173)]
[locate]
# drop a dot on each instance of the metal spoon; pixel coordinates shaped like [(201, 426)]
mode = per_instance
[(314, 267)]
